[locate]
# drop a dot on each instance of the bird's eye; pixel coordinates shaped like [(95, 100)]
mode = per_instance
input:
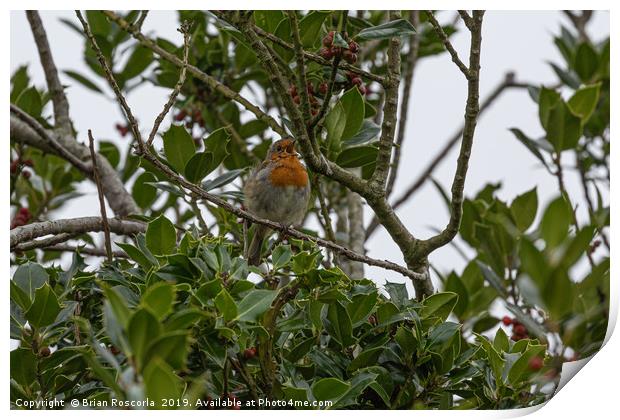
[(279, 148)]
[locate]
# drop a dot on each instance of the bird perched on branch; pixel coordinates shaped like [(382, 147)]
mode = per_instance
[(278, 190)]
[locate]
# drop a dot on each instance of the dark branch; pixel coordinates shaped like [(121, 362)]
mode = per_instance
[(104, 216)]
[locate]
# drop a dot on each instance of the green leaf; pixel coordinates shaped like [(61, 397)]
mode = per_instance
[(439, 305), (583, 102), (398, 293), (531, 145), (29, 277), (586, 61), (547, 99), (23, 366), (171, 346), (226, 305), (366, 358), (523, 209), (159, 298), (520, 367), (281, 256), (555, 222), (361, 307), (217, 144), (563, 128), (178, 146), (254, 304), (142, 330), (335, 123), (329, 389), (501, 342), (455, 285), (138, 61), (161, 236), (30, 102), (160, 382), (136, 255), (368, 132), (353, 105), (355, 157), (20, 297), (339, 324), (142, 190), (268, 19), (310, 27), (198, 167), (222, 180), (83, 80), (395, 28), (44, 308), (109, 150)]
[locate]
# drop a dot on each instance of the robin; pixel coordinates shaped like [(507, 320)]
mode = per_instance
[(277, 190)]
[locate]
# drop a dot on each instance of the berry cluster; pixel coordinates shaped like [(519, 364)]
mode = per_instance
[(190, 116), (354, 80), (314, 103), (21, 217), (329, 50), (519, 332), (18, 165)]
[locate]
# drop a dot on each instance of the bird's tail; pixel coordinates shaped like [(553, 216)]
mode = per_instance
[(254, 250)]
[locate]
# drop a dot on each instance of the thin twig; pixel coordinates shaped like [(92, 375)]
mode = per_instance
[(185, 30), (302, 81), (57, 93), (446, 42), (140, 21), (104, 216), (412, 58)]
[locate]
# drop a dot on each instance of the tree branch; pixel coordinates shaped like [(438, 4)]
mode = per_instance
[(471, 116), (446, 42), (44, 243), (390, 111), (95, 252), (77, 226), (57, 93), (507, 83), (412, 58), (121, 202), (302, 81)]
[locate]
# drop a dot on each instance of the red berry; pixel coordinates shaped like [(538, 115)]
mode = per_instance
[(310, 88), (24, 211), (44, 352), (296, 99), (326, 53), (354, 46), (314, 111), (372, 320), (328, 40), (515, 337), (506, 320), (362, 90), (323, 88), (29, 162), (26, 174), (536, 363), (336, 51), (249, 353), (357, 81), (14, 167), (292, 90), (519, 330), (114, 350), (181, 115)]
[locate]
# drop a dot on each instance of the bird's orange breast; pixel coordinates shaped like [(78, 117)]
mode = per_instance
[(289, 171)]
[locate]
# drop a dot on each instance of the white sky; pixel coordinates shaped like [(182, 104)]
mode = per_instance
[(512, 41)]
